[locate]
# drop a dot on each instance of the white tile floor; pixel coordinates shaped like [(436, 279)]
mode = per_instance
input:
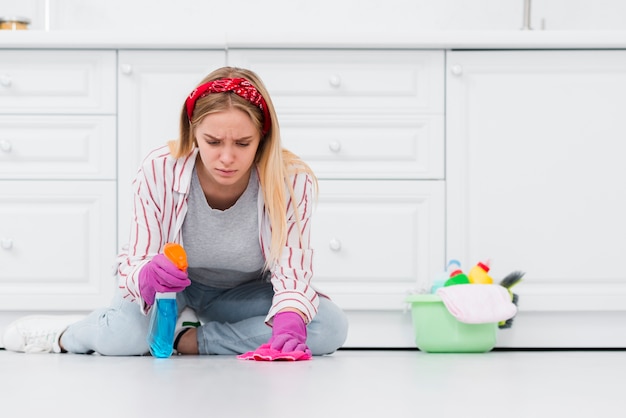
[(350, 383)]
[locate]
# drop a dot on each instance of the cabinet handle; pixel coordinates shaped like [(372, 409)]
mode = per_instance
[(6, 243), (5, 146), (334, 244), (334, 146), (456, 69), (334, 81), (126, 69), (5, 80)]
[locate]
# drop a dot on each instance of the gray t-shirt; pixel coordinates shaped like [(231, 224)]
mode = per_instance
[(223, 248)]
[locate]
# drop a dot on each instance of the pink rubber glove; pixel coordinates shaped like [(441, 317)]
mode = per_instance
[(161, 275), (288, 341), (288, 333)]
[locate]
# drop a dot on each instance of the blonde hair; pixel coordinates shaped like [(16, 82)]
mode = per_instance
[(275, 163)]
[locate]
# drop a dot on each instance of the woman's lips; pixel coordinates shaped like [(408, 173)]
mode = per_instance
[(226, 173)]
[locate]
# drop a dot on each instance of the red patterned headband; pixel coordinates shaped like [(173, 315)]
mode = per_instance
[(240, 86)]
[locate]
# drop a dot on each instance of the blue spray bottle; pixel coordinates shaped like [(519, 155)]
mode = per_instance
[(165, 309)]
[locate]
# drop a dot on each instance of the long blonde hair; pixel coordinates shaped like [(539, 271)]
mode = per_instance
[(275, 163)]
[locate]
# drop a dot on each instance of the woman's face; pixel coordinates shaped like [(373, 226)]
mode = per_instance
[(228, 142)]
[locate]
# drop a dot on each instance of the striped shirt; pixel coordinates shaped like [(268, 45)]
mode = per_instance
[(161, 188)]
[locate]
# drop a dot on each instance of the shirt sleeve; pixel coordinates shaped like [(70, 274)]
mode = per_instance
[(291, 275), (154, 214)]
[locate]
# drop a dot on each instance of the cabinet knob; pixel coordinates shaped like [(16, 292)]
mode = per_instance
[(6, 243), (126, 69), (334, 81), (5, 80), (334, 146), (5, 146), (456, 69), (334, 244)]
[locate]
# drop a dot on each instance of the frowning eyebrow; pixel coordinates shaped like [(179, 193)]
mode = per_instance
[(215, 138)]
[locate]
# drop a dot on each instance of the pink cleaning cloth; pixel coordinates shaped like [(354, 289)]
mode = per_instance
[(265, 353), (478, 303)]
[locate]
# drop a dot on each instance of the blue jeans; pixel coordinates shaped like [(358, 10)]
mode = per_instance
[(233, 323)]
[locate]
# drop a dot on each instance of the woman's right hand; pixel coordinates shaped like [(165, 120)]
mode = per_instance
[(161, 275)]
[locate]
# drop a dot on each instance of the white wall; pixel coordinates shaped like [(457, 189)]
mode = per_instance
[(323, 15)]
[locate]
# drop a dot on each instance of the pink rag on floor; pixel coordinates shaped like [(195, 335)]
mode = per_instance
[(478, 303), (265, 353)]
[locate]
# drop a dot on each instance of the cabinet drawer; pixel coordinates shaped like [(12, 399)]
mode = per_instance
[(57, 81), (355, 81), (57, 147), (57, 244), (368, 148), (376, 240)]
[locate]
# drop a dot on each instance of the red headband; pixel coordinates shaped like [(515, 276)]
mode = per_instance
[(240, 86)]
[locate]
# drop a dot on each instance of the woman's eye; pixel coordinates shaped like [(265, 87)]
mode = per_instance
[(243, 144)]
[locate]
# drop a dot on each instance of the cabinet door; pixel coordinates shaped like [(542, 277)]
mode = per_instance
[(57, 82), (57, 245), (371, 82), (535, 181), (153, 86), (375, 241), (361, 147), (57, 147)]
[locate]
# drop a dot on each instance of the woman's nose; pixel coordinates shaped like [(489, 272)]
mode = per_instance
[(227, 154)]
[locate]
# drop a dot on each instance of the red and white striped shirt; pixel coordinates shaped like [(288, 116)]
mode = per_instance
[(161, 188)]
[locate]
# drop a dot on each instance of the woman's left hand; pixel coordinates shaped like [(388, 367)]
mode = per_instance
[(288, 341), (289, 333)]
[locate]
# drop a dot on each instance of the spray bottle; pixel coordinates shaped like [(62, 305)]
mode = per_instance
[(165, 309)]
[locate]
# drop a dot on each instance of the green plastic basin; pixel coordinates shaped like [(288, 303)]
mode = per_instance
[(437, 331)]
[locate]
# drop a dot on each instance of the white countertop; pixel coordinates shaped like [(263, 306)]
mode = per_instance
[(406, 39)]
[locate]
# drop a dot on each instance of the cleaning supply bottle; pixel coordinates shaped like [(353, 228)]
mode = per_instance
[(165, 309), (478, 273), (456, 274), (439, 282)]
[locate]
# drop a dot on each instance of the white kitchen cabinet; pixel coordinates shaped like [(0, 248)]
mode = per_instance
[(422, 155), (153, 86), (371, 125), (377, 146), (58, 198), (56, 245), (57, 82), (59, 147), (375, 240), (372, 82), (535, 142)]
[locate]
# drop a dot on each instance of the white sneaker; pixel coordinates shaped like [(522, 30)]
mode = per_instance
[(187, 319), (38, 333)]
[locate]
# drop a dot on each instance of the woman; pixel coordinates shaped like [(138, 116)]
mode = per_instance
[(241, 207)]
